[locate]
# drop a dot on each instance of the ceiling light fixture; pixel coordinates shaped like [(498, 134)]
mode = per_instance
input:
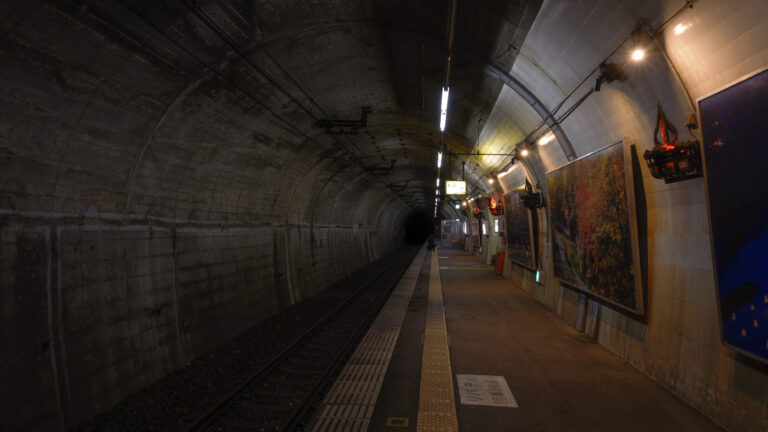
[(444, 108), (638, 54), (490, 181), (438, 182), (524, 152), (439, 159)]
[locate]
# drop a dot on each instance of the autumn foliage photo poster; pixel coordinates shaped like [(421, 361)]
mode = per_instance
[(593, 227), (518, 229)]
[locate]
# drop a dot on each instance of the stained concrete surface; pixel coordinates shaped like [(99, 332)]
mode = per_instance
[(560, 378)]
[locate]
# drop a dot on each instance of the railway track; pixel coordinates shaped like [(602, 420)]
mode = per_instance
[(282, 395)]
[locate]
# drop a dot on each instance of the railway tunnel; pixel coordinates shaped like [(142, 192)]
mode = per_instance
[(188, 186)]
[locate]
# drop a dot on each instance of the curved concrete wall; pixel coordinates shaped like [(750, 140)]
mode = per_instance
[(679, 343), (157, 198)]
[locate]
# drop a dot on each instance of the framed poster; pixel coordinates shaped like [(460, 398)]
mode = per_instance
[(518, 227), (594, 226), (734, 124)]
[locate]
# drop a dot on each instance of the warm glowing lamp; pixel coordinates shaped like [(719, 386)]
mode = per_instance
[(680, 29)]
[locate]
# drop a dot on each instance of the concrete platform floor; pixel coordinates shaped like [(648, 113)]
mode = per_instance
[(562, 380)]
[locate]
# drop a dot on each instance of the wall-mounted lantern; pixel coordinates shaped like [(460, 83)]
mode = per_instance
[(669, 159), (497, 207)]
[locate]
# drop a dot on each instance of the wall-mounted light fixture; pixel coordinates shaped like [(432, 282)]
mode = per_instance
[(522, 150), (609, 72), (497, 207), (531, 199), (669, 159), (638, 54), (681, 28)]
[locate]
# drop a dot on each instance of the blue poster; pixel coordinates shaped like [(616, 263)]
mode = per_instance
[(735, 126)]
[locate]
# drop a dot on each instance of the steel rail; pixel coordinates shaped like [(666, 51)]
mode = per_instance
[(218, 410)]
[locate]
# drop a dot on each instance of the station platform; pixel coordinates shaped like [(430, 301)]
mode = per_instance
[(468, 350)]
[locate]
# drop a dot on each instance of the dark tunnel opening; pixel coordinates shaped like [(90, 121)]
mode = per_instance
[(418, 226)]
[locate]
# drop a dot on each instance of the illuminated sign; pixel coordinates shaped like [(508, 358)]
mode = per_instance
[(455, 187)]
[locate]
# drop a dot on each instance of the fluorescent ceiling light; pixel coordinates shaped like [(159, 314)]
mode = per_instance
[(444, 108), (439, 159), (438, 182)]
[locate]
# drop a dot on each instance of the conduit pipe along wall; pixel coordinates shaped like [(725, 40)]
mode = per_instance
[(156, 198), (677, 342)]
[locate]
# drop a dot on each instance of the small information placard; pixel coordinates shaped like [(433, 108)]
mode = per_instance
[(485, 390), (455, 187)]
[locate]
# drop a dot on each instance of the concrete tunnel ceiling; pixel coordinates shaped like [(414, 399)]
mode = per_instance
[(208, 110)]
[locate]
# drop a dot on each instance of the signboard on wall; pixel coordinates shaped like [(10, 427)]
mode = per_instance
[(455, 187)]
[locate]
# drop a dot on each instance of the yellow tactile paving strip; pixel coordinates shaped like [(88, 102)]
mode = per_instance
[(437, 407), (349, 404)]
